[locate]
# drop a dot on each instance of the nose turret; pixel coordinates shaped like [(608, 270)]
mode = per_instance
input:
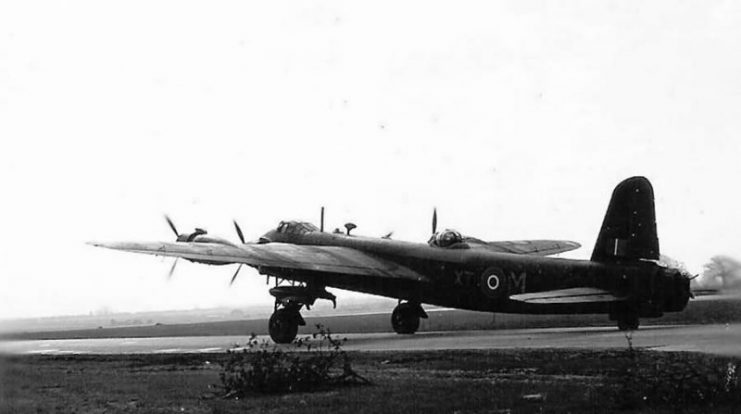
[(268, 237)]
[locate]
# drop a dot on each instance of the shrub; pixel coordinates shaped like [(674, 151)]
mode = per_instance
[(318, 362)]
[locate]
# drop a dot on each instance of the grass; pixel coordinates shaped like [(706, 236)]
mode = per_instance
[(431, 382)]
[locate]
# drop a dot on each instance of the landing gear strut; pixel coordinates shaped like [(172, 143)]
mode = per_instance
[(405, 318)]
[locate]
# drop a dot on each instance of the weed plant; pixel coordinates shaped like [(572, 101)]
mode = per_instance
[(317, 362)]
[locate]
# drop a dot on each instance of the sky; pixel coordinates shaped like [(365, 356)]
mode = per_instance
[(516, 119)]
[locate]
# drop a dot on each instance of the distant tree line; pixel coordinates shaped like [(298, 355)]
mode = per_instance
[(722, 272)]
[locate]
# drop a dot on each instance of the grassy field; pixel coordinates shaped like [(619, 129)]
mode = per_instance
[(430, 382)]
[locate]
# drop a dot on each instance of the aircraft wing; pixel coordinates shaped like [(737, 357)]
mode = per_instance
[(573, 295), (534, 247), (275, 255)]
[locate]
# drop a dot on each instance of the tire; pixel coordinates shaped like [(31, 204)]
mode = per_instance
[(628, 324), (283, 326), (405, 319)]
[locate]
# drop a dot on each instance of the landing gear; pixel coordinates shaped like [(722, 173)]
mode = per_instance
[(626, 317), (286, 318), (405, 318), (627, 323), (284, 323)]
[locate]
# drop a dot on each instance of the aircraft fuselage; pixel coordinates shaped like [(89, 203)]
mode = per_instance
[(480, 280)]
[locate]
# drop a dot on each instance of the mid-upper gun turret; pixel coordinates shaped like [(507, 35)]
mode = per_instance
[(448, 239)]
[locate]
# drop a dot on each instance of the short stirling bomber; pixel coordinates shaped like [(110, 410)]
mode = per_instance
[(623, 278)]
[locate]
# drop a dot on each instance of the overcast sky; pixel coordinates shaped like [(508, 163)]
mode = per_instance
[(516, 119)]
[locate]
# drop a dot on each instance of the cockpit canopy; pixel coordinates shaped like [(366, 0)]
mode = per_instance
[(296, 227), (446, 239)]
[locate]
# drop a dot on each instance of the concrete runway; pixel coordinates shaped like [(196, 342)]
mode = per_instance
[(714, 339)]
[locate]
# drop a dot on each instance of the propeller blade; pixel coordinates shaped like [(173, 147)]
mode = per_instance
[(235, 275), (172, 269), (388, 235), (172, 226), (434, 220), (239, 232)]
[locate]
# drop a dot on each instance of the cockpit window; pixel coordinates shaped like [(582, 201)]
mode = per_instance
[(294, 227), (308, 227)]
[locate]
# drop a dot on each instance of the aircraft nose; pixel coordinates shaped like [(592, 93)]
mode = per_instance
[(267, 237)]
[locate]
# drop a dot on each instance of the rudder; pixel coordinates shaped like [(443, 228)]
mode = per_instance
[(629, 228)]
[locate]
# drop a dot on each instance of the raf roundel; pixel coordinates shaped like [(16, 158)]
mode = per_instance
[(492, 284)]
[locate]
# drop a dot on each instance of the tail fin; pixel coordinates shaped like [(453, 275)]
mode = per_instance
[(629, 229)]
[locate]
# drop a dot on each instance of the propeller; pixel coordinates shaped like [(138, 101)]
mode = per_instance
[(172, 225), (434, 220), (174, 230), (172, 269), (240, 234), (241, 238), (231, 282)]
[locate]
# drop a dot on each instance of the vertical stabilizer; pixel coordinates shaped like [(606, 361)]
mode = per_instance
[(629, 229)]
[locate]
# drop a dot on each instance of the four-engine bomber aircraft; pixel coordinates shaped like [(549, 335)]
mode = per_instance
[(623, 278)]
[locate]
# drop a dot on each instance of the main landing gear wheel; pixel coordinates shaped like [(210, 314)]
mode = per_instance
[(405, 318), (283, 325)]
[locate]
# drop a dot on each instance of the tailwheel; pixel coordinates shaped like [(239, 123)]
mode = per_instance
[(628, 323), (283, 325), (626, 316), (405, 318)]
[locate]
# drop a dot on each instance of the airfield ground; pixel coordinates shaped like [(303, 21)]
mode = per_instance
[(430, 382), (558, 377)]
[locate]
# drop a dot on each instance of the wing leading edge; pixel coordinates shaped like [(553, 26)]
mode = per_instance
[(331, 259)]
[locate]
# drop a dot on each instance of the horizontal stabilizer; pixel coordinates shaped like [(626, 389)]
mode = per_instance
[(705, 292), (573, 295)]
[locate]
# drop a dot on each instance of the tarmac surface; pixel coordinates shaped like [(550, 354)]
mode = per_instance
[(721, 339)]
